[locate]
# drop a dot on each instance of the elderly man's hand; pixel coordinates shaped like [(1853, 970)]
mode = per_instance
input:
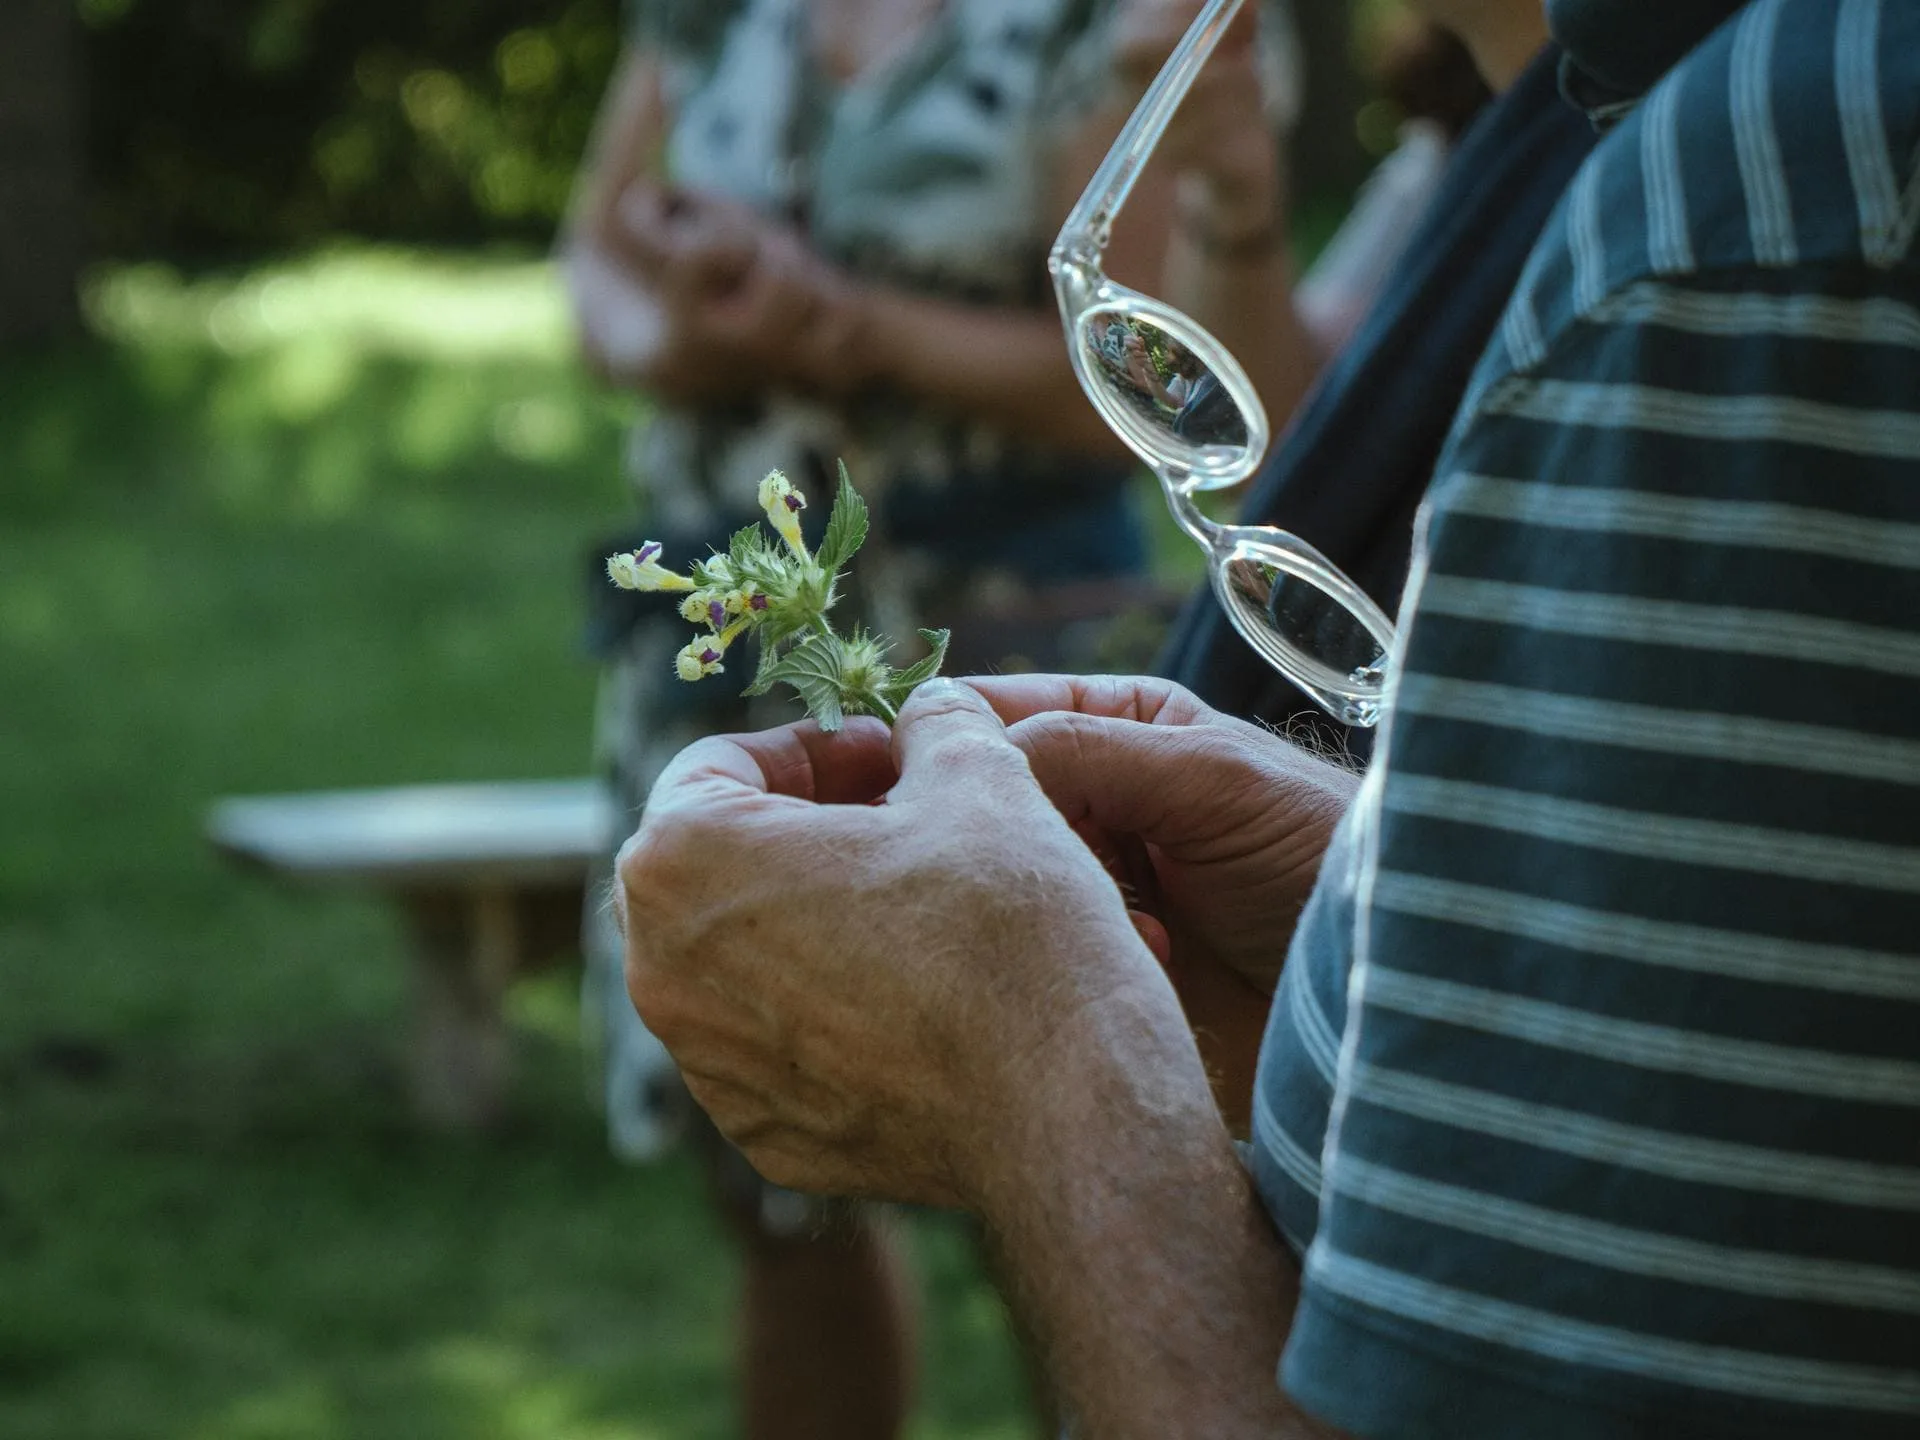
[(1217, 825), (1214, 826), (876, 960)]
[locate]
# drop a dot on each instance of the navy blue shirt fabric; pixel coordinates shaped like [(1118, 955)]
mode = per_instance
[(1592, 1092)]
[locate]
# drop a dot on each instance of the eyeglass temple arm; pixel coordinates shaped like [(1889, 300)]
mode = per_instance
[(1091, 223)]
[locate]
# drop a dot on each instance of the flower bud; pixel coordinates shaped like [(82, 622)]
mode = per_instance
[(783, 505), (698, 659), (641, 570)]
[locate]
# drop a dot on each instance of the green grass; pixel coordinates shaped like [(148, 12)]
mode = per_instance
[(318, 525)]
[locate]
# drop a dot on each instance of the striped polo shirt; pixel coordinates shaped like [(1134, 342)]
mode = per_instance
[(1591, 1095)]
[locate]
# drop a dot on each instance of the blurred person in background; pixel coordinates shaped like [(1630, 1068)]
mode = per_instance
[(1387, 327), (1233, 221), (1581, 1114), (818, 231)]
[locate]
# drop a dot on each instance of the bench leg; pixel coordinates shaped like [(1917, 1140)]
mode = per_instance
[(465, 949)]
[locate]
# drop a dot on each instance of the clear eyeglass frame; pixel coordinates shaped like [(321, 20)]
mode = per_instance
[(1185, 406)]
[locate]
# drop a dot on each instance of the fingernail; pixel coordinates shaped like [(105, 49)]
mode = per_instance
[(941, 687)]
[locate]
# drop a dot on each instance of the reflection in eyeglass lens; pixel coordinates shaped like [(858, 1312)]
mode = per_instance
[(1163, 382), (1306, 618)]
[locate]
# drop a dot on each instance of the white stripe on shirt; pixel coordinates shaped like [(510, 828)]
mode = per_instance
[(1658, 835), (1735, 739), (1671, 945)]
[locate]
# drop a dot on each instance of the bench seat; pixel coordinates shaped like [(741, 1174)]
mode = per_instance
[(490, 878)]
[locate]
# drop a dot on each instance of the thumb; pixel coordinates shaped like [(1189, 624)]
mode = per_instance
[(947, 730)]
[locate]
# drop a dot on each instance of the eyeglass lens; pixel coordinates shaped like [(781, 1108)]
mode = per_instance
[(1151, 383)]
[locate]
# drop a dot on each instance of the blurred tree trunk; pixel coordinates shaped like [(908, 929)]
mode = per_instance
[(41, 166), (1328, 161)]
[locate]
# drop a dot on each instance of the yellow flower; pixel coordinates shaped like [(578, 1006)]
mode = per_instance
[(641, 570), (783, 505), (701, 656), (699, 659)]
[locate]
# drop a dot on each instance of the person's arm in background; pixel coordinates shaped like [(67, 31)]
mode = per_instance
[(790, 318), (628, 136), (1005, 366), (631, 313)]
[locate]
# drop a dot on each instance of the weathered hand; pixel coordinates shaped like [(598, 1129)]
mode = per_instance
[(870, 998), (1214, 826), (1228, 819)]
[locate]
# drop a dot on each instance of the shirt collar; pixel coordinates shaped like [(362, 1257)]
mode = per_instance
[(1617, 50)]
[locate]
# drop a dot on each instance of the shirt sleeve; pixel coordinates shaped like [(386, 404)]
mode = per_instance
[(1626, 1131)]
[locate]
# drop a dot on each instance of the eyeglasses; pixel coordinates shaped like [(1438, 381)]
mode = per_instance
[(1185, 406)]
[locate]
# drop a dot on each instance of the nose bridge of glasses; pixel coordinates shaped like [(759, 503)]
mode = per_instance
[(1183, 502), (1077, 279)]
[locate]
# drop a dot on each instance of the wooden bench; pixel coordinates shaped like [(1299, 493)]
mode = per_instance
[(491, 879)]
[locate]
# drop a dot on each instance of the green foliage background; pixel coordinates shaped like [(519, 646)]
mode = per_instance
[(230, 128)]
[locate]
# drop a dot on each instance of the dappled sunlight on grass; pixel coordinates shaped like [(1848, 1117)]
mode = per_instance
[(313, 389), (353, 302), (326, 524)]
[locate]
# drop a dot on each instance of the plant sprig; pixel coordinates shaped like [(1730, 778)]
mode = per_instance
[(782, 594)]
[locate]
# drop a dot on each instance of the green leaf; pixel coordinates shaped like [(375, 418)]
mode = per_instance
[(813, 668), (846, 526), (747, 545), (903, 682), (769, 657)]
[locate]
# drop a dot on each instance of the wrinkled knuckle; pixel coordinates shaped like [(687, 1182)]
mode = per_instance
[(776, 1164), (1001, 763), (1080, 740), (640, 856), (715, 1100), (1055, 741), (944, 699), (1163, 702), (655, 1001), (662, 855), (1108, 695), (975, 752)]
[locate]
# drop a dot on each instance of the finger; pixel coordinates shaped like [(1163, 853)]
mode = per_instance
[(676, 246), (718, 251), (946, 731), (1144, 698), (1120, 776), (794, 762), (850, 766)]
